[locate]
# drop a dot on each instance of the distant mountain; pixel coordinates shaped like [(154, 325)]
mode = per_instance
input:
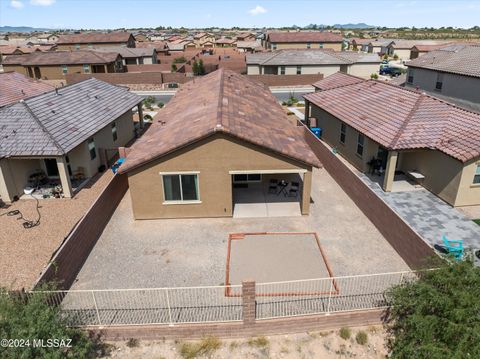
[(21, 29), (361, 25)]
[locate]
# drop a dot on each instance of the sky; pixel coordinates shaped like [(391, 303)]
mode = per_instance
[(104, 14)]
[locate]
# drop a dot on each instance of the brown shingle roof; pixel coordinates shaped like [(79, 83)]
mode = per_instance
[(15, 86), (456, 59), (304, 36), (221, 102), (94, 38), (66, 58), (338, 79), (401, 119)]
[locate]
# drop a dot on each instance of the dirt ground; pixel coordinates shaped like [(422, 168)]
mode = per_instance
[(322, 345), (25, 252)]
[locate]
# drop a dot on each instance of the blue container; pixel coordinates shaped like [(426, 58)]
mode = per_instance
[(317, 131)]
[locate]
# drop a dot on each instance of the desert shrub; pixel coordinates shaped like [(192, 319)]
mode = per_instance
[(361, 337), (259, 342), (206, 347), (345, 333), (374, 76), (437, 316)]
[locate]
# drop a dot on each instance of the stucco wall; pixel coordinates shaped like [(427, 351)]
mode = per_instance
[(253, 70), (463, 87), (15, 175), (442, 173), (468, 193), (213, 158), (17, 68), (364, 69), (331, 126), (403, 54)]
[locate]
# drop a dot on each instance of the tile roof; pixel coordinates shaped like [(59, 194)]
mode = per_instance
[(54, 123), (310, 57), (94, 37), (79, 57), (338, 79), (456, 59), (221, 102), (303, 36), (15, 86), (408, 44), (402, 119), (128, 52)]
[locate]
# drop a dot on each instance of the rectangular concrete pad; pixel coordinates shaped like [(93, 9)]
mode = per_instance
[(275, 257)]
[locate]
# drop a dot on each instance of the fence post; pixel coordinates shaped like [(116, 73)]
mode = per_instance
[(329, 297), (170, 324), (96, 308), (248, 302)]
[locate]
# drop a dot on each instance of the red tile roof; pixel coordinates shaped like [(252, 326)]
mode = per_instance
[(402, 119), (338, 79), (304, 36), (15, 87), (63, 58), (221, 102), (94, 38)]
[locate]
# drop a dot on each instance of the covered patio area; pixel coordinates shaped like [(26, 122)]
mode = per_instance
[(268, 194)]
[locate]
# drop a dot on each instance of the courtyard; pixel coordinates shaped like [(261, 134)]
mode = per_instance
[(193, 252)]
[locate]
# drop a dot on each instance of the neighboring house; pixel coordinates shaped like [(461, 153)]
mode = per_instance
[(95, 39), (133, 56), (246, 36), (224, 42), (303, 40), (379, 46), (249, 46), (15, 87), (218, 132), (46, 38), (452, 71), (403, 48), (338, 79), (407, 131), (180, 45), (419, 50), (357, 44), (301, 62), (65, 134), (20, 50), (204, 39), (54, 65)]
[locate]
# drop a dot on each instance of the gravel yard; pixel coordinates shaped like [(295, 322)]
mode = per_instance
[(193, 252), (25, 252)]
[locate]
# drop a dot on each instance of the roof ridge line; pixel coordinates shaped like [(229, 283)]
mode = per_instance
[(44, 129), (407, 121), (219, 124)]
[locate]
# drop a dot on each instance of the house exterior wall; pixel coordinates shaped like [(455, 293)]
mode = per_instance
[(213, 157), (17, 68), (364, 69), (468, 192), (442, 173), (337, 46), (403, 54), (14, 175), (55, 72), (331, 126), (462, 87), (253, 70)]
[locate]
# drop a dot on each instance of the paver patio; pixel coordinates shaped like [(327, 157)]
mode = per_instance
[(193, 252)]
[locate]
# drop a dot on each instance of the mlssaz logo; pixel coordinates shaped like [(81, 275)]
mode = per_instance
[(52, 343)]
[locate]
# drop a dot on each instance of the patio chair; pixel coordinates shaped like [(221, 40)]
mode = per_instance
[(293, 192), (273, 186), (453, 246), (295, 185)]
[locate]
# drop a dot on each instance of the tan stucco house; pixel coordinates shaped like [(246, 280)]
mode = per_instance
[(303, 40), (63, 136), (313, 61), (90, 40), (217, 134), (429, 140)]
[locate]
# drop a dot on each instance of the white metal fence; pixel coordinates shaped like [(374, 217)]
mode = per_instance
[(223, 303)]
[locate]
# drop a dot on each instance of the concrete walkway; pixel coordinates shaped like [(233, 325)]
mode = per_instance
[(297, 113), (430, 216)]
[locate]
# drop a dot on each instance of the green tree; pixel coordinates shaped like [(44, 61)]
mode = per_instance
[(174, 68), (438, 316), (36, 319)]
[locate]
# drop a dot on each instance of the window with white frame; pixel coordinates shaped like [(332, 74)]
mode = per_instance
[(410, 75), (309, 46), (299, 70), (274, 46), (439, 82), (360, 144), (320, 46), (282, 70), (86, 69), (180, 187), (91, 149), (343, 132), (64, 69), (476, 177), (114, 131)]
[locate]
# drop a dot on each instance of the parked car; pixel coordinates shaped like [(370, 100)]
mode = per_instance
[(392, 71)]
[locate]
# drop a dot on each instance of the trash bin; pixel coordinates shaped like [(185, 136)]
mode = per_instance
[(317, 131)]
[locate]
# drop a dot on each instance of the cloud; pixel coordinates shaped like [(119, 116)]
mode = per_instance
[(257, 10), (42, 2), (16, 4)]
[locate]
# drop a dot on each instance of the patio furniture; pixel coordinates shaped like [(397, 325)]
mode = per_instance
[(273, 187), (453, 246), (283, 188)]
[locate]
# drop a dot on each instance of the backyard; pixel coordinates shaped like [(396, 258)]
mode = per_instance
[(193, 252)]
